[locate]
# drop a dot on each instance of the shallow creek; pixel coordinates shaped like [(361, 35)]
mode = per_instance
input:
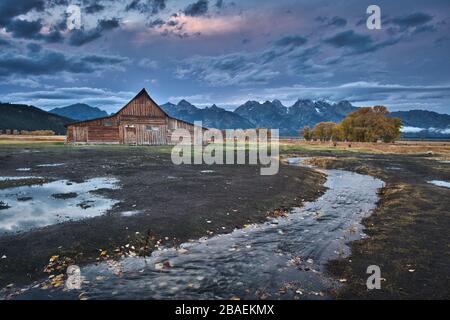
[(282, 259)]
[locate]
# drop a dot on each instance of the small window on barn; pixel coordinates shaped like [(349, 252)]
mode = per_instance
[(152, 128), (108, 123)]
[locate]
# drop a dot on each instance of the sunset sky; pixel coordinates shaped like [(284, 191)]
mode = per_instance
[(226, 52)]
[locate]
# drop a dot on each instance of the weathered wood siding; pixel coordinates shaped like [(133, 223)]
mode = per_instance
[(140, 122), (103, 134), (142, 106), (77, 134)]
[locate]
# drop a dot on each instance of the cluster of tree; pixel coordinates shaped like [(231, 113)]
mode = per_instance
[(363, 125), (30, 133)]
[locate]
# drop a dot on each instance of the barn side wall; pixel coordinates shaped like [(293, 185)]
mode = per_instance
[(140, 122)]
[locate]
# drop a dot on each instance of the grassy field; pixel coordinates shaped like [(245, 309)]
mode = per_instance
[(441, 148)]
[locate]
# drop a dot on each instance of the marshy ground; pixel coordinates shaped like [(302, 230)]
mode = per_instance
[(157, 204)]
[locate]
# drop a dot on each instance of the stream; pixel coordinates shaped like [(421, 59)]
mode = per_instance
[(284, 258)]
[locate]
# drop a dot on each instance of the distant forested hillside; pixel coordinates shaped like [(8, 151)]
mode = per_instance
[(23, 117)]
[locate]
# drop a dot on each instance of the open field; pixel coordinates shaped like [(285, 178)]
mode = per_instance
[(18, 139), (399, 147), (408, 232)]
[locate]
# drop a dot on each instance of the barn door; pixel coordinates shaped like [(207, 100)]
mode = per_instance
[(155, 135), (130, 135)]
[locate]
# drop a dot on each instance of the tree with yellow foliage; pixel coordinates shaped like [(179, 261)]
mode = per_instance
[(371, 124), (368, 124)]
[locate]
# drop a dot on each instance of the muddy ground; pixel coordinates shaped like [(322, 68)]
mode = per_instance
[(177, 203), (408, 232), (409, 236)]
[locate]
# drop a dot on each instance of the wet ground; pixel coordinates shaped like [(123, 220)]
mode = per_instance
[(161, 206), (37, 206), (408, 234), (280, 259), (132, 196)]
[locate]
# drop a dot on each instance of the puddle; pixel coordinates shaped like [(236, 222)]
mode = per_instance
[(281, 259), (130, 213), (4, 178), (394, 168), (294, 160), (440, 183), (41, 205), (50, 165)]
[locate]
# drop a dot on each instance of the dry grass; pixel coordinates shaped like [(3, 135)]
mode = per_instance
[(18, 139), (399, 147)]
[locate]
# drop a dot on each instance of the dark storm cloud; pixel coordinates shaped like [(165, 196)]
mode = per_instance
[(4, 43), (55, 3), (9, 9), (253, 68), (412, 20), (53, 36), (438, 41), (146, 6), (172, 23), (337, 22), (350, 39), (155, 23), (103, 60), (94, 8), (24, 29), (219, 4), (358, 43), (105, 25), (48, 62), (321, 19), (198, 8), (80, 37), (34, 47), (291, 41), (31, 30), (425, 28)]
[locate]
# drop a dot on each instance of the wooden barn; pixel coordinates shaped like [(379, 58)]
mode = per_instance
[(140, 122)]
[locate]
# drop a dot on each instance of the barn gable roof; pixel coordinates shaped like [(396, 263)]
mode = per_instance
[(142, 92)]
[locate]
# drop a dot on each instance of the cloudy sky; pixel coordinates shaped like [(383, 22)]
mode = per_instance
[(225, 52)]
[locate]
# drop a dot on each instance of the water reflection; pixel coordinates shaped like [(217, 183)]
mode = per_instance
[(41, 205), (281, 259), (440, 183)]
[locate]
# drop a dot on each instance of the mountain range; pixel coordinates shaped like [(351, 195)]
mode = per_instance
[(252, 114), (212, 117), (79, 111), (273, 114)]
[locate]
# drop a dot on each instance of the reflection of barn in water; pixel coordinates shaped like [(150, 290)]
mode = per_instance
[(141, 121)]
